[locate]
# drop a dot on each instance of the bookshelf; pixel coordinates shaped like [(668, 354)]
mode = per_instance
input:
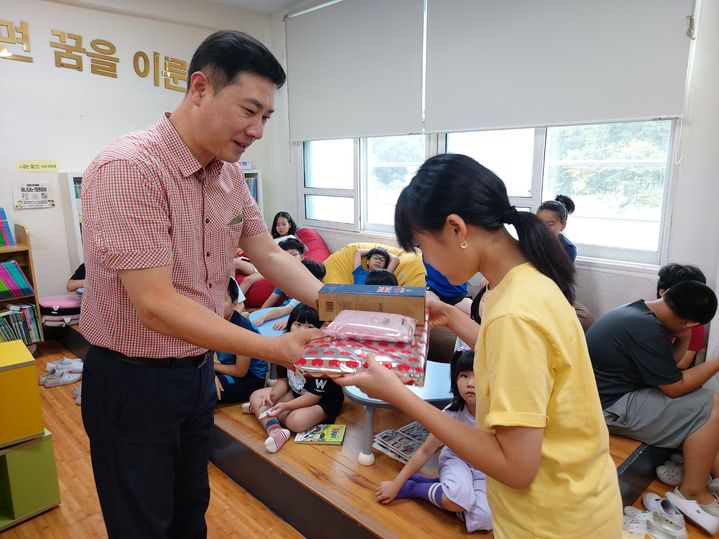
[(21, 252), (70, 185), (253, 178)]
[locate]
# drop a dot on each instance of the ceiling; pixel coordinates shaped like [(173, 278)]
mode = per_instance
[(263, 6)]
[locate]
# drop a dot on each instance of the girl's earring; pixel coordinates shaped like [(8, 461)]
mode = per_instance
[(463, 244)]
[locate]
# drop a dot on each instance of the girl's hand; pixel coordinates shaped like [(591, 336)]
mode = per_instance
[(376, 381), (218, 388), (386, 491), (258, 321), (279, 325), (278, 409), (439, 312), (266, 401)]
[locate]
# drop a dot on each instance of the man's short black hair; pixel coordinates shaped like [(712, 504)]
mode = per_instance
[(381, 277), (292, 243), (692, 301), (379, 251), (673, 274), (224, 55), (315, 268)]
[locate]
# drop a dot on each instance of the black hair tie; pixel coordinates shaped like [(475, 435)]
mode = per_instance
[(510, 216)]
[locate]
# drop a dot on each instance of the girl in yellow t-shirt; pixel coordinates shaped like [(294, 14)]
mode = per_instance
[(541, 437)]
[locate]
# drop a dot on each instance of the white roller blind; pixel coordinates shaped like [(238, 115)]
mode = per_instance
[(355, 69), (516, 63)]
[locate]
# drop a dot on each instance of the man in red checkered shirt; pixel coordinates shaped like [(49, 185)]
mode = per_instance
[(164, 211)]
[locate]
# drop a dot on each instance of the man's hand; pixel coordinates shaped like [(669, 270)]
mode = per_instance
[(291, 346)]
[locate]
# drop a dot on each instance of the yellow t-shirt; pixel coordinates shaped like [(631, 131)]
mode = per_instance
[(532, 369)]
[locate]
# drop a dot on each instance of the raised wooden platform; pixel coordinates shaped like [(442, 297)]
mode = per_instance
[(321, 490)]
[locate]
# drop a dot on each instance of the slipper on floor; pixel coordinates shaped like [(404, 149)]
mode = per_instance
[(652, 523), (694, 512), (670, 473), (654, 502)]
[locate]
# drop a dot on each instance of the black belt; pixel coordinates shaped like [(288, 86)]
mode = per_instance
[(164, 362)]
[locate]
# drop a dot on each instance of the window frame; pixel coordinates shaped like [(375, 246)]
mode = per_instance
[(436, 143), (325, 191)]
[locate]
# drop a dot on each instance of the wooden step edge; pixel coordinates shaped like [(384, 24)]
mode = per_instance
[(307, 481)]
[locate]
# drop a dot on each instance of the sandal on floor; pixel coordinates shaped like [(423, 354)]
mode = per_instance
[(652, 523), (654, 502), (670, 473), (694, 512)]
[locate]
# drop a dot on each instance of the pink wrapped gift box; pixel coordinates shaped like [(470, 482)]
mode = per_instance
[(332, 356)]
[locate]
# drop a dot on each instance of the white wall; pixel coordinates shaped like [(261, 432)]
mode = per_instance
[(68, 116), (694, 217)]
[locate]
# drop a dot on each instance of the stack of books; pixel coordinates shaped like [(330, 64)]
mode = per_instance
[(401, 443), (19, 321), (13, 282), (5, 230)]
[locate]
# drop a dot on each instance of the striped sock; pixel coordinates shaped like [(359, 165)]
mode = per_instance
[(435, 494), (422, 490), (276, 439), (419, 478)]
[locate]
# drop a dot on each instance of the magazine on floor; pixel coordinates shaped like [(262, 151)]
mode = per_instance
[(400, 444), (325, 434)]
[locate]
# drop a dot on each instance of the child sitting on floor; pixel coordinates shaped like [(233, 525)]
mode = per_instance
[(283, 227), (295, 402), (318, 270), (377, 258), (236, 377), (459, 487), (296, 248), (381, 277)]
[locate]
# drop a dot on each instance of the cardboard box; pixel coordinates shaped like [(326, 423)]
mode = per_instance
[(405, 300)]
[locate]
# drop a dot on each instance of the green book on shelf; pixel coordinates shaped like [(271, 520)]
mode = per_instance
[(322, 434)]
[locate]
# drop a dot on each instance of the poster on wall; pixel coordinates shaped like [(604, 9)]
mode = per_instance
[(32, 196)]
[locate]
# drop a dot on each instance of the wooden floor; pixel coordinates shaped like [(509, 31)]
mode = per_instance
[(331, 472), (232, 512)]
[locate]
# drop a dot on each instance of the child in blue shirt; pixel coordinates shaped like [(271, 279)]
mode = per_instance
[(236, 377), (377, 258), (318, 270), (554, 213), (297, 249)]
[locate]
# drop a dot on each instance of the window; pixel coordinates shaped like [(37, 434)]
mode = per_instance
[(615, 173), (390, 164), (330, 187), (508, 153)]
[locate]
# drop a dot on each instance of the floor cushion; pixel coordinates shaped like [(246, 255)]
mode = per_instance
[(262, 289), (409, 272)]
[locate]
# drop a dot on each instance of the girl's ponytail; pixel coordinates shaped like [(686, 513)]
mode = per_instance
[(542, 249)]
